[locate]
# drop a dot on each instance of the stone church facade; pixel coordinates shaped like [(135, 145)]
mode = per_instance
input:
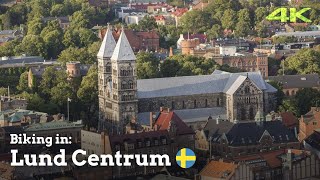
[(122, 97)]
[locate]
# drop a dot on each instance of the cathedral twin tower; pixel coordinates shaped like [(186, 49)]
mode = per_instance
[(117, 83)]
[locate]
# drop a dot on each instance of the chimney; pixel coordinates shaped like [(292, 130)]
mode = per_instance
[(161, 109)]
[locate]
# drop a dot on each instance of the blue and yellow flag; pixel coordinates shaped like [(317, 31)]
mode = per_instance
[(185, 158)]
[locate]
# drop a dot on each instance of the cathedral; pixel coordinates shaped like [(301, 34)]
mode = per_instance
[(235, 97)]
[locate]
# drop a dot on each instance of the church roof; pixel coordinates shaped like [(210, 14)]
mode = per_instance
[(123, 50), (217, 82), (107, 46)]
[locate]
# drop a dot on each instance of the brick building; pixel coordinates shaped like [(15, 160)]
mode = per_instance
[(138, 40), (308, 123), (245, 61)]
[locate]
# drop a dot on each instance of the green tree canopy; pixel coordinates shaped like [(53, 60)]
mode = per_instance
[(195, 21), (147, 65)]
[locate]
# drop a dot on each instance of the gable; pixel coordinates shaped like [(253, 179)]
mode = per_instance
[(248, 87)]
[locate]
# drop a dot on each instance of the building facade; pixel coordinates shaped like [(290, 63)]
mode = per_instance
[(308, 123), (122, 97)]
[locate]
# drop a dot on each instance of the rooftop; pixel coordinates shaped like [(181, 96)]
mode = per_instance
[(297, 81), (217, 82), (300, 34), (53, 125), (218, 169), (166, 119)]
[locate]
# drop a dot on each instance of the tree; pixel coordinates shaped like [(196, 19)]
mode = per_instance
[(306, 98), (195, 21), (35, 26), (215, 31), (79, 20), (147, 23), (283, 39), (58, 10), (33, 45), (8, 48), (229, 19), (34, 102), (242, 29), (52, 35), (15, 16), (75, 54), (147, 65), (3, 91), (23, 82), (305, 61), (88, 96), (279, 95), (86, 37), (48, 81), (61, 93), (289, 105), (260, 14)]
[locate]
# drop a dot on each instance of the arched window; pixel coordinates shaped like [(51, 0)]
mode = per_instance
[(129, 71), (124, 85), (130, 85)]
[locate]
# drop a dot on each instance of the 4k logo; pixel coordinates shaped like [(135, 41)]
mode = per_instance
[(283, 17)]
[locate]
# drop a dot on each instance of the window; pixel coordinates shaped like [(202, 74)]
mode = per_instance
[(247, 89), (172, 104), (251, 113), (164, 141), (195, 103), (243, 114), (183, 105), (218, 101), (314, 123), (206, 103)]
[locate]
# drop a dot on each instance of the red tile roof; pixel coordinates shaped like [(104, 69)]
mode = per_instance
[(272, 158), (218, 169), (179, 12), (159, 18), (288, 119), (164, 119)]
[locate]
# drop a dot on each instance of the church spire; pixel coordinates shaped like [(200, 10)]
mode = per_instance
[(108, 45), (123, 50)]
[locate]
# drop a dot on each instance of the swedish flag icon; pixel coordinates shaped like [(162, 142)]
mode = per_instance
[(185, 158)]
